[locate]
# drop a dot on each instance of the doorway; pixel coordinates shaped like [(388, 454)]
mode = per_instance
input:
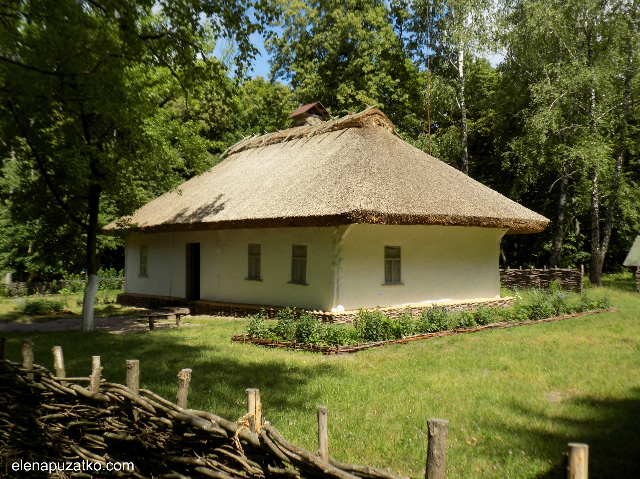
[(193, 271)]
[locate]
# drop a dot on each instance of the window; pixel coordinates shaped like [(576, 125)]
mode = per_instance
[(392, 265), (143, 260), (254, 262), (299, 264)]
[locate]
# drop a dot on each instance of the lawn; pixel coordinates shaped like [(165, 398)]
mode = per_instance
[(105, 307), (513, 398)]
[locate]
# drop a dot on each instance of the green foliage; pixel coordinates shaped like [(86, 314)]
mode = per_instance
[(484, 316), (463, 319), (285, 327), (432, 320), (40, 306), (307, 329), (371, 325), (335, 335)]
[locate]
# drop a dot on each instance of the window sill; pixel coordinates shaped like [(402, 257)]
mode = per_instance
[(298, 283), (143, 276), (391, 284), (253, 280)]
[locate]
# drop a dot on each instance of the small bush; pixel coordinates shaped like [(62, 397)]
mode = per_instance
[(559, 303), (307, 329), (406, 324), (40, 306), (484, 315), (370, 325), (335, 335), (285, 328), (257, 327), (432, 320), (464, 319), (541, 306)]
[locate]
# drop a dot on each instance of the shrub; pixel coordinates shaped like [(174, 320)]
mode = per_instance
[(370, 325), (257, 327), (541, 306), (484, 315), (334, 335), (285, 327), (432, 320), (560, 304), (110, 279), (40, 306), (406, 324), (307, 329), (464, 319)]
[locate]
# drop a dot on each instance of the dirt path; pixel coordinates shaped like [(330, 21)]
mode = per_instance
[(113, 325)]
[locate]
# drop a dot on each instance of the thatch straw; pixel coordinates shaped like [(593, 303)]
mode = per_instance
[(347, 170)]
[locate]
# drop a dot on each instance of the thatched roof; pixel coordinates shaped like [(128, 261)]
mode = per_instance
[(343, 171), (633, 258)]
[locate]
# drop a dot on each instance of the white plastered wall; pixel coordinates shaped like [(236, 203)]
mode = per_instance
[(224, 265), (437, 263), (345, 265)]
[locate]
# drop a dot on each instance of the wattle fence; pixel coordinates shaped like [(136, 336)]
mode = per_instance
[(568, 279)]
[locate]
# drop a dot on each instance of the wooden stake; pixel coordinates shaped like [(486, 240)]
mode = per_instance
[(58, 363), (151, 323), (251, 407), (437, 448), (133, 375), (184, 377), (323, 434), (578, 463), (259, 416), (27, 357), (96, 374), (3, 348)]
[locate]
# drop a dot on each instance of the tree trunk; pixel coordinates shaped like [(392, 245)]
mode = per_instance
[(91, 289), (463, 114), (562, 207)]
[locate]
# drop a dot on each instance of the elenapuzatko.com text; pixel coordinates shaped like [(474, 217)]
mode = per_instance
[(71, 466)]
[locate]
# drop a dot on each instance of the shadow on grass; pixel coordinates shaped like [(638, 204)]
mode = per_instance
[(610, 427), (219, 379), (622, 282)]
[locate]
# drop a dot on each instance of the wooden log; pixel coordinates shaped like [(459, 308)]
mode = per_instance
[(184, 377), (133, 375), (3, 348), (323, 434), (96, 375), (151, 323), (27, 357), (58, 363), (437, 448), (578, 461)]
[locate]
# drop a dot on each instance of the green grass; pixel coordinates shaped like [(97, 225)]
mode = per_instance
[(513, 398), (73, 302)]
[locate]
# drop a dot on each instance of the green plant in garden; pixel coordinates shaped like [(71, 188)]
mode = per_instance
[(432, 320), (40, 306), (464, 319), (370, 325), (285, 327), (307, 329), (541, 306), (484, 315)]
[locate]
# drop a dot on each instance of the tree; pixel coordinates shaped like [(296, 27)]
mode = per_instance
[(83, 86), (347, 55)]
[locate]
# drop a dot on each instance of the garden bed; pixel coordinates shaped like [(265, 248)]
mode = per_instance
[(340, 349)]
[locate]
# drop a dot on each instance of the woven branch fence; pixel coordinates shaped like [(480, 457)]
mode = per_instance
[(569, 279), (47, 417)]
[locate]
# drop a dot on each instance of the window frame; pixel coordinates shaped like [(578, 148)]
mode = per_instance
[(254, 259), (391, 264), (299, 274), (144, 261)]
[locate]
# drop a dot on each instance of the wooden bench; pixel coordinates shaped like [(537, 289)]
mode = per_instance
[(163, 313)]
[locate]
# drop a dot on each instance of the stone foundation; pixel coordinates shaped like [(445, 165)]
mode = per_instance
[(216, 308)]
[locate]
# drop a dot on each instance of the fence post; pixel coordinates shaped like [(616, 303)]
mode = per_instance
[(184, 377), (96, 374), (323, 434), (437, 448), (27, 357), (259, 417), (58, 362), (251, 408), (578, 462), (3, 348), (133, 375), (151, 323)]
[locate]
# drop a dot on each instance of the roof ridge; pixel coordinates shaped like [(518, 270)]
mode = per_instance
[(351, 120)]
